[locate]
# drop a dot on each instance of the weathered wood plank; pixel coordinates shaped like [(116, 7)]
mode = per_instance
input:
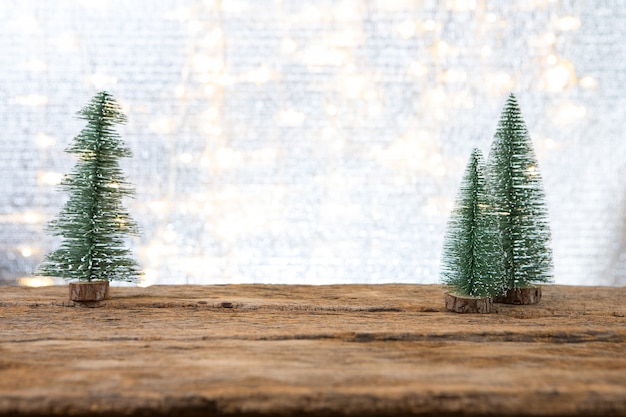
[(346, 350)]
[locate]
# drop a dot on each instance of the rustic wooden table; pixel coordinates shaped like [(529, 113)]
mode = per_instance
[(346, 350)]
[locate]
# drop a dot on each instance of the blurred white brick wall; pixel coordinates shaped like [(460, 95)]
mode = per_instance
[(302, 141)]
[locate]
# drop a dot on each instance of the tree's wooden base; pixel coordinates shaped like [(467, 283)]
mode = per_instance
[(460, 304), (520, 296), (89, 294)]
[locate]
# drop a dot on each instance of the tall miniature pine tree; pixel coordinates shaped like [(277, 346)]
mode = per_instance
[(93, 222), (471, 260), (518, 199)]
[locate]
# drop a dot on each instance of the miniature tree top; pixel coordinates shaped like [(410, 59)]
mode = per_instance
[(518, 199), (471, 260), (93, 223)]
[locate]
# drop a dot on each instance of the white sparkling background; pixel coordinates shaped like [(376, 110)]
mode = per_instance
[(313, 142)]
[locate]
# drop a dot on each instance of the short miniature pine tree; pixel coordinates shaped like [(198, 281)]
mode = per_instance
[(93, 223), (518, 199), (471, 260)]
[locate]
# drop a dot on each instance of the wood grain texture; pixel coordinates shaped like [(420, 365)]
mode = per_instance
[(344, 350)]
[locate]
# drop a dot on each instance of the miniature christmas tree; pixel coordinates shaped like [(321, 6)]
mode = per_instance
[(93, 222), (471, 262), (518, 200)]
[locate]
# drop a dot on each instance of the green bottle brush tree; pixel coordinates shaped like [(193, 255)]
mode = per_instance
[(93, 223), (519, 201), (471, 260)]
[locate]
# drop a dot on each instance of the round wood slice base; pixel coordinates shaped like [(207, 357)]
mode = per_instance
[(520, 296), (89, 294), (459, 304)]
